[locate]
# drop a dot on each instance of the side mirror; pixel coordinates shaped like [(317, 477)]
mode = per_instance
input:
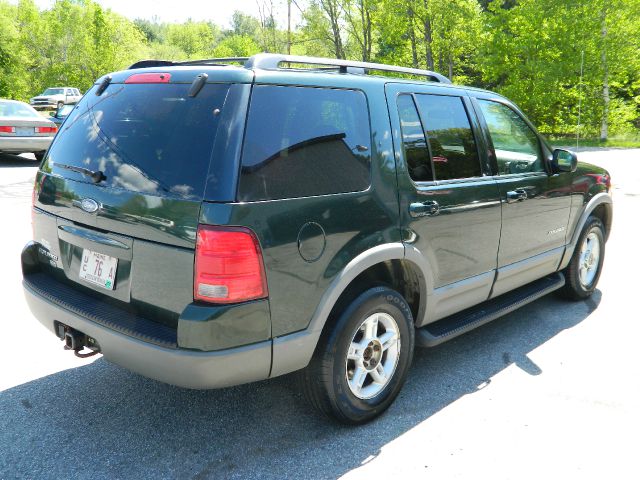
[(564, 160)]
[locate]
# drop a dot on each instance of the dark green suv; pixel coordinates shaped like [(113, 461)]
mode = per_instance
[(210, 223)]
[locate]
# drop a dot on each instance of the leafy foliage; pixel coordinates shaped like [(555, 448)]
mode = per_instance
[(531, 51)]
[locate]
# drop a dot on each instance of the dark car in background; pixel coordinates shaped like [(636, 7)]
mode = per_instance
[(62, 113), (209, 224)]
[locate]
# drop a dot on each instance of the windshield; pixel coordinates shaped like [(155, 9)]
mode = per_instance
[(14, 109), (150, 138), (54, 91)]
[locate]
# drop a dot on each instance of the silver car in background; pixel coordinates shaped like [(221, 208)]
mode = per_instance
[(23, 130)]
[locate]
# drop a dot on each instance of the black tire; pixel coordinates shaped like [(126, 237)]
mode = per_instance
[(324, 381), (574, 288), (39, 156), (60, 105)]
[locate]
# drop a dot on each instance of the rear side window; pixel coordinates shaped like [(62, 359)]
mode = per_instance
[(303, 141), (453, 147), (149, 138), (413, 141)]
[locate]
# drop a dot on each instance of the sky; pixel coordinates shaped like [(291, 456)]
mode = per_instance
[(218, 11)]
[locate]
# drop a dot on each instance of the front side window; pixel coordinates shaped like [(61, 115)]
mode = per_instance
[(517, 147), (303, 141), (413, 141), (453, 147)]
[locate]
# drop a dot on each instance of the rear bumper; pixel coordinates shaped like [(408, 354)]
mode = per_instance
[(176, 366), (24, 144)]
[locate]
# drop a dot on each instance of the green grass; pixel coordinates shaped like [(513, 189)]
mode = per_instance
[(615, 142)]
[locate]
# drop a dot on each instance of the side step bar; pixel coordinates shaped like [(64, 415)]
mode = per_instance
[(450, 327)]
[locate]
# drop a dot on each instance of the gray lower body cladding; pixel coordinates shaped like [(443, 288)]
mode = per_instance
[(176, 366)]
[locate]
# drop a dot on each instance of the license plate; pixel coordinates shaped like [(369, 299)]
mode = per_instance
[(98, 269), (25, 131)]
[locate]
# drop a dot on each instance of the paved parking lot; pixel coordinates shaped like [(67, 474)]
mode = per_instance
[(550, 391)]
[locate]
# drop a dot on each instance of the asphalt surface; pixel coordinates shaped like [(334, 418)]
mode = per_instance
[(549, 391)]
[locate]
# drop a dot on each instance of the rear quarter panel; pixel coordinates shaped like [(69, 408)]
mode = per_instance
[(352, 222)]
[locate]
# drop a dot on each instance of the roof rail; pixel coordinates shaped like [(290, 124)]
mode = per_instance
[(214, 61), (272, 61)]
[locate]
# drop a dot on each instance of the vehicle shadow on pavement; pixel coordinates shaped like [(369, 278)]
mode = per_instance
[(8, 160), (101, 421)]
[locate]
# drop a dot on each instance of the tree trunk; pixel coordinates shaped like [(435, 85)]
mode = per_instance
[(365, 22), (412, 37), (369, 27), (428, 37), (450, 68), (288, 27), (604, 126), (331, 9)]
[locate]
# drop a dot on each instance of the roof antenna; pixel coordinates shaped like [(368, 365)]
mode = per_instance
[(579, 101)]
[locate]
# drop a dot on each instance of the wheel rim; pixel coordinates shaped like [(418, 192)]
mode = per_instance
[(373, 355), (589, 259)]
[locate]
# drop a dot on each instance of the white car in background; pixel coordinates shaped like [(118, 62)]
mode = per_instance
[(23, 130), (55, 97)]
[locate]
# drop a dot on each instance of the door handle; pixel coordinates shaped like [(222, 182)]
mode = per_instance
[(424, 209), (517, 195)]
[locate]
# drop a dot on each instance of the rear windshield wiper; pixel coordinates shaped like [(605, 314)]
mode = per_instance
[(97, 176)]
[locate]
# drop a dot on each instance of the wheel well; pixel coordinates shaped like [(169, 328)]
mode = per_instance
[(399, 275), (604, 213)]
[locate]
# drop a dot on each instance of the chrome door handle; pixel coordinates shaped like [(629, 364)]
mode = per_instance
[(424, 209), (517, 195)]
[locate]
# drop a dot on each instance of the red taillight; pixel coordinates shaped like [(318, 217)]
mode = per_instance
[(4, 129), (228, 265), (149, 78), (46, 129)]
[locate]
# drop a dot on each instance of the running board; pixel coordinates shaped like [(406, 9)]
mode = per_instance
[(450, 327)]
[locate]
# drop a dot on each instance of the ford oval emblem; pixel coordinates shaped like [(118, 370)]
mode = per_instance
[(89, 205)]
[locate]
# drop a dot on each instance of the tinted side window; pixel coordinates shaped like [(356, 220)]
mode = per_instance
[(453, 147), (413, 141), (517, 146), (303, 141)]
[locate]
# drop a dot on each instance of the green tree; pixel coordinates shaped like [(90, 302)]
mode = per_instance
[(196, 39), (236, 46), (533, 55)]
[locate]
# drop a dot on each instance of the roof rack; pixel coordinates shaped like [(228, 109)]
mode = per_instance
[(273, 61)]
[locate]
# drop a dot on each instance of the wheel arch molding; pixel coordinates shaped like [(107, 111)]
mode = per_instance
[(294, 351)]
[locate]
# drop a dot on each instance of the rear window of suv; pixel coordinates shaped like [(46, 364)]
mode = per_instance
[(304, 141), (149, 138)]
